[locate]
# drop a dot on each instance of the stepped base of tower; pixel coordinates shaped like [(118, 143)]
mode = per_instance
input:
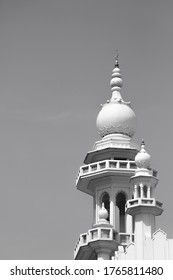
[(113, 145)]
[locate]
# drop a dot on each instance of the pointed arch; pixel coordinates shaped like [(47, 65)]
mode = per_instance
[(121, 199), (145, 191)]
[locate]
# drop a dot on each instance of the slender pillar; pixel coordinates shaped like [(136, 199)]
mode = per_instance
[(148, 191), (129, 224), (135, 191), (142, 190)]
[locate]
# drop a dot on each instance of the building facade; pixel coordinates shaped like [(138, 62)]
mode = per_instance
[(118, 175)]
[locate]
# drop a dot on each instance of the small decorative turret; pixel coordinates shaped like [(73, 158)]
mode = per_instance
[(143, 207), (143, 159)]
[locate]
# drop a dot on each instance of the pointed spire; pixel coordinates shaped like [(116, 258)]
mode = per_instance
[(116, 115), (116, 81), (142, 145), (116, 58)]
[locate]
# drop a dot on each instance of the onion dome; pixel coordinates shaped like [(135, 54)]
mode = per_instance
[(116, 116), (103, 214), (143, 159)]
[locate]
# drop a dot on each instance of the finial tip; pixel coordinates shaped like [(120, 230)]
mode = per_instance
[(142, 145), (116, 58)]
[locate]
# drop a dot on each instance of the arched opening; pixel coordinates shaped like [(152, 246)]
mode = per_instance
[(139, 191), (106, 200), (145, 191), (120, 203)]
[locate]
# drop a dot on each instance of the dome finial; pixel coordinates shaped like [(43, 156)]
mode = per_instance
[(116, 116), (116, 58), (116, 81), (103, 214), (142, 144)]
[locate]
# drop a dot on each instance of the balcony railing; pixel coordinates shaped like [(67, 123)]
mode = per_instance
[(125, 238), (103, 234), (105, 164), (143, 201), (96, 234), (109, 164)]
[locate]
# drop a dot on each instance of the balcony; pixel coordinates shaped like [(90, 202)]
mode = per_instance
[(104, 165), (104, 168), (109, 164), (154, 206), (101, 234), (93, 235)]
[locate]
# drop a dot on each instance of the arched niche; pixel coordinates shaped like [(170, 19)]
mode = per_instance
[(105, 198), (145, 191), (121, 199)]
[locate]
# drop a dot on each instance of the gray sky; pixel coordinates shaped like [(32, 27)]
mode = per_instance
[(56, 59)]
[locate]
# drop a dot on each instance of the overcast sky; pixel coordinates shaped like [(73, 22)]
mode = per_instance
[(56, 59)]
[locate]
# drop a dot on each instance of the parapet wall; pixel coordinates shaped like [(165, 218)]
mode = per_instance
[(156, 248)]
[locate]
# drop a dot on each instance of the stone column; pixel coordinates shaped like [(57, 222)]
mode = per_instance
[(148, 191), (135, 191), (142, 190)]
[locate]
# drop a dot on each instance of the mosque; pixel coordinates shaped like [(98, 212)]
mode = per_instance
[(119, 177)]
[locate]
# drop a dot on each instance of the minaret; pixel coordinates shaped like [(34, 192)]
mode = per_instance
[(143, 207), (105, 176)]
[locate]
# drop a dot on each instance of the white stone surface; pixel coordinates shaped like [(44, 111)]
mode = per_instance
[(143, 159), (156, 247), (123, 185), (116, 117)]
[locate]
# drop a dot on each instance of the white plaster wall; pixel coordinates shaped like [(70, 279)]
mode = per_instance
[(156, 248)]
